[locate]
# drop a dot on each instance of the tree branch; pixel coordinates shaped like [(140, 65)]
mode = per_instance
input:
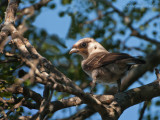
[(151, 19), (121, 101), (30, 10), (17, 89), (48, 75), (34, 59), (9, 19), (129, 24), (81, 115), (8, 61), (140, 94)]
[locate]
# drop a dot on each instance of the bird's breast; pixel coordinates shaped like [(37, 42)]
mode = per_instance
[(105, 74), (86, 69)]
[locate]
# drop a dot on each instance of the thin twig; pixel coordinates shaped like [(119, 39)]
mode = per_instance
[(100, 16), (8, 61), (157, 73), (135, 32), (81, 115), (151, 19), (143, 110)]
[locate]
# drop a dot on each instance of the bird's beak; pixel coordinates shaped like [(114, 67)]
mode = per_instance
[(73, 50)]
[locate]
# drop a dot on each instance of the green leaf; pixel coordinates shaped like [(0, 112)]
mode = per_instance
[(6, 94), (61, 14), (154, 33), (64, 2), (157, 103), (141, 27), (10, 68), (52, 6), (27, 82), (122, 32)]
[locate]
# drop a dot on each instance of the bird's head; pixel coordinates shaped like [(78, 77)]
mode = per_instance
[(87, 46)]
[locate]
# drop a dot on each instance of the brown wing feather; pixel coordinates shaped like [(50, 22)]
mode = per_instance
[(101, 59)]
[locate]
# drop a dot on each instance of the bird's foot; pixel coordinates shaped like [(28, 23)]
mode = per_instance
[(92, 84)]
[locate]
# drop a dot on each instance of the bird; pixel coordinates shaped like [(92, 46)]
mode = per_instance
[(101, 65)]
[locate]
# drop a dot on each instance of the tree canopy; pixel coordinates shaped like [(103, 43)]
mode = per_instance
[(37, 73)]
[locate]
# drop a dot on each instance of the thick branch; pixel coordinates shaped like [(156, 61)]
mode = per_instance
[(9, 19), (11, 12), (129, 98), (121, 100), (33, 58), (64, 103), (138, 95)]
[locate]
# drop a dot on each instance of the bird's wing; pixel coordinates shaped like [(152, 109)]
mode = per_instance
[(101, 59)]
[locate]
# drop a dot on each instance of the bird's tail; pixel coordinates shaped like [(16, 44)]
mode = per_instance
[(139, 61), (133, 61)]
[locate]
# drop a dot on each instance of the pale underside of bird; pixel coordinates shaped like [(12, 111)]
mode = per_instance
[(101, 65)]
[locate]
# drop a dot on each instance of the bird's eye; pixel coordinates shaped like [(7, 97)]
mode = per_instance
[(84, 44)]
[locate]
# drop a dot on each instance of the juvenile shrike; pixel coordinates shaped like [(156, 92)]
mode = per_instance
[(101, 65)]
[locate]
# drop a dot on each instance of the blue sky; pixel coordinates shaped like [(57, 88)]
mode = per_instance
[(49, 20)]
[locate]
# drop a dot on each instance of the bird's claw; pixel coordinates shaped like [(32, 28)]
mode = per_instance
[(92, 84)]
